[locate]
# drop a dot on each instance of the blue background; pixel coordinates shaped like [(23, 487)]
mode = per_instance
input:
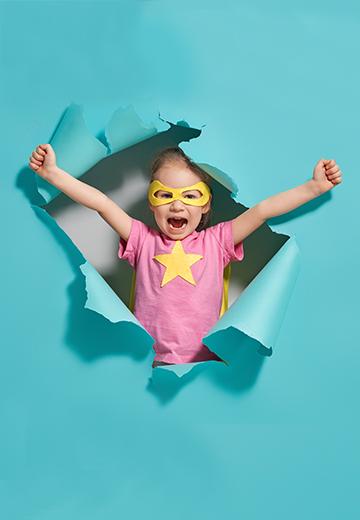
[(81, 435)]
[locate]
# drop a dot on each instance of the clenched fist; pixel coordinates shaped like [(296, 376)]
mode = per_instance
[(327, 174), (43, 160)]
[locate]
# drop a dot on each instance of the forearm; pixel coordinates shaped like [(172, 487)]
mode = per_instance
[(77, 190), (288, 200)]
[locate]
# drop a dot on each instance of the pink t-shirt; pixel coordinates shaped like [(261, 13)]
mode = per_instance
[(179, 309)]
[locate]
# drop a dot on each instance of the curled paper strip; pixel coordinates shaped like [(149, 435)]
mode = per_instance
[(258, 312), (76, 149)]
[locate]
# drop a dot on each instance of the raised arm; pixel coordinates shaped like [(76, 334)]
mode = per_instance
[(326, 175), (43, 162)]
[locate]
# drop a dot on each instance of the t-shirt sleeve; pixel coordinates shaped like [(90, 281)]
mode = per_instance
[(224, 235), (129, 250)]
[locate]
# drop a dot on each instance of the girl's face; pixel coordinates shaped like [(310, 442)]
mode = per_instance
[(176, 219)]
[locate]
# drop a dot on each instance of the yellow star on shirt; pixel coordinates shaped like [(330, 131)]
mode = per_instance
[(177, 263)]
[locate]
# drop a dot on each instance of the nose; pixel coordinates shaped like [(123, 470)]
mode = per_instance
[(177, 205)]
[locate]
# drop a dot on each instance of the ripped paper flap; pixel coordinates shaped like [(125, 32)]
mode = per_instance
[(260, 309)]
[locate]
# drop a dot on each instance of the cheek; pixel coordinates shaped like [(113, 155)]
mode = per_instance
[(160, 211), (196, 212)]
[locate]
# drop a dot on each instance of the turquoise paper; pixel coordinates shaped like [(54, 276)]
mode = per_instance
[(84, 435)]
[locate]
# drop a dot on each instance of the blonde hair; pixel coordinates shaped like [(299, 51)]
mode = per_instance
[(176, 154)]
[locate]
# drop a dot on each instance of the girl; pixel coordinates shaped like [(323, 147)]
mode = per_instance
[(179, 267)]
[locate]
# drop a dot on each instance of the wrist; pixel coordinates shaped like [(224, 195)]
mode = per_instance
[(52, 173), (316, 188)]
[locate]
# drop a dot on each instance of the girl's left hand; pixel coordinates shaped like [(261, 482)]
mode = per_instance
[(327, 174)]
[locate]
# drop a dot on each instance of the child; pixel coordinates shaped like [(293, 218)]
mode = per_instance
[(179, 269)]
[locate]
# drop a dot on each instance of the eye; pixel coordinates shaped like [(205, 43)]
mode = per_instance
[(192, 194), (163, 195)]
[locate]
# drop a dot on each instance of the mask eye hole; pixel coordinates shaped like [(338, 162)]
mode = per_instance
[(193, 194), (161, 194)]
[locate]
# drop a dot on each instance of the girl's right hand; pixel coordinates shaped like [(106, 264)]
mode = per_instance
[(43, 160)]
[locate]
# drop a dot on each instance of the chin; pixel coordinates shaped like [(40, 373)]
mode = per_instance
[(176, 236)]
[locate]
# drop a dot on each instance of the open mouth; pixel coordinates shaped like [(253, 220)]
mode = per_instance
[(177, 223)]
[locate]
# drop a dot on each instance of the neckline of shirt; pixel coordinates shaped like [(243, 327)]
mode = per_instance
[(165, 238)]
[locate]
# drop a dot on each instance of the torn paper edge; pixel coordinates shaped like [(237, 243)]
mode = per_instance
[(114, 309)]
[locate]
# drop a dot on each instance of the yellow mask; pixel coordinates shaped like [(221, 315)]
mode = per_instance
[(177, 194)]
